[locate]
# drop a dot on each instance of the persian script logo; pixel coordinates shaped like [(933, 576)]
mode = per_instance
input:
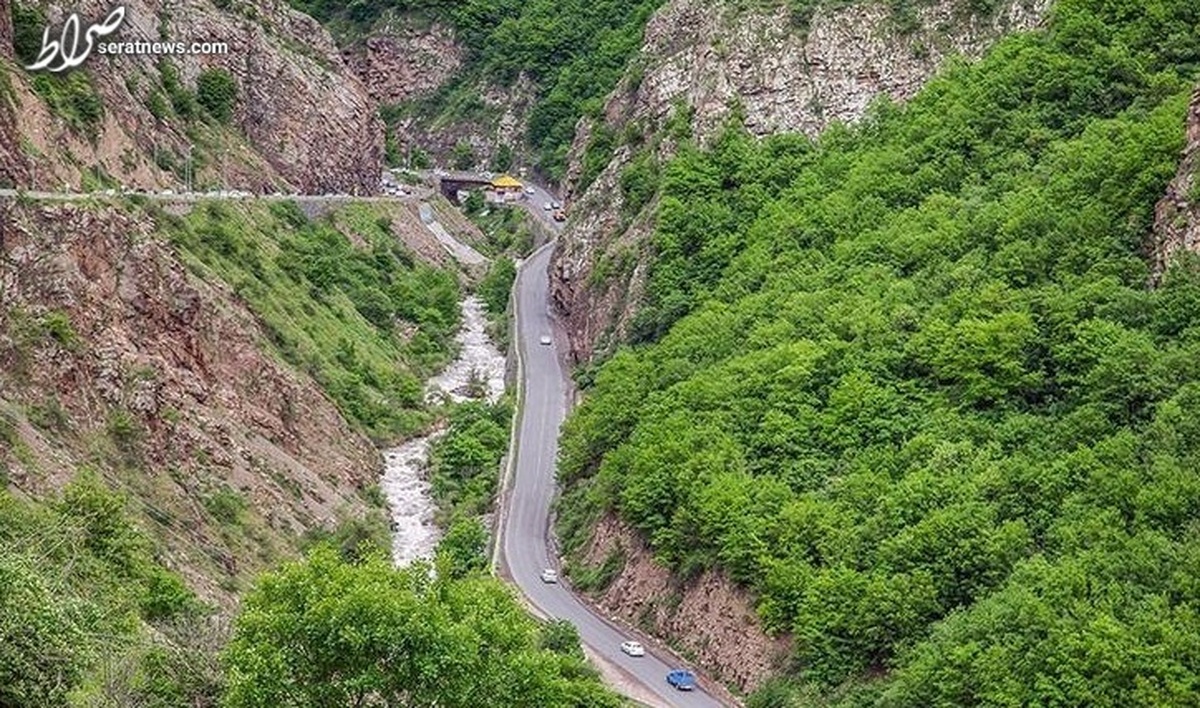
[(67, 49)]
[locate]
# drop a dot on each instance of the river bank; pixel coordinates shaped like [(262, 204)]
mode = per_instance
[(477, 373)]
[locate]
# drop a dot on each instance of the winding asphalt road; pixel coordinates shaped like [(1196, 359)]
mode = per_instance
[(525, 526)]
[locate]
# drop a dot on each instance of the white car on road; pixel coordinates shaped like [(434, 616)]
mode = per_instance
[(549, 575), (545, 340), (633, 648)]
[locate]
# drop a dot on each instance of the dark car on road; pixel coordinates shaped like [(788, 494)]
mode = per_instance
[(682, 679)]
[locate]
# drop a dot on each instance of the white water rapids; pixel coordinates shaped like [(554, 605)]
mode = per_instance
[(405, 483)]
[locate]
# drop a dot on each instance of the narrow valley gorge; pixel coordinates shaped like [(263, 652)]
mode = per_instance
[(776, 354)]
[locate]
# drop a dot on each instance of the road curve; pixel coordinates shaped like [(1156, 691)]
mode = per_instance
[(535, 204), (525, 525)]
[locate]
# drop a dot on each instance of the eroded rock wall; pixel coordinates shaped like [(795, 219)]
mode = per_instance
[(1177, 214), (302, 120), (400, 62), (709, 617), (6, 29)]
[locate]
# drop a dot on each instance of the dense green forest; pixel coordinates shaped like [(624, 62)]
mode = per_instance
[(89, 617), (908, 383)]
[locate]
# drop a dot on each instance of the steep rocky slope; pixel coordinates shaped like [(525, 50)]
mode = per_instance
[(6, 31), (707, 617), (1177, 215), (496, 116), (398, 61), (702, 61), (114, 357), (122, 353), (301, 120)]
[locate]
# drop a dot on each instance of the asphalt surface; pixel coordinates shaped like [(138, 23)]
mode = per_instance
[(525, 529), (535, 203)]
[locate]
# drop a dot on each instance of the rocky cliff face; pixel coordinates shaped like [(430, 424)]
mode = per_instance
[(710, 57), (114, 357), (499, 119), (302, 119), (399, 62), (1177, 215), (405, 58)]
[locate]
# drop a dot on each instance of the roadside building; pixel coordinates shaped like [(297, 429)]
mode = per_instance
[(505, 188), (506, 184)]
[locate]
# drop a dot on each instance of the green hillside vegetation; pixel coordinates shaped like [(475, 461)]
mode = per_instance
[(908, 383), (329, 631), (464, 464), (88, 616), (333, 309)]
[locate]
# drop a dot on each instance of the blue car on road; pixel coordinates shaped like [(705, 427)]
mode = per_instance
[(682, 679)]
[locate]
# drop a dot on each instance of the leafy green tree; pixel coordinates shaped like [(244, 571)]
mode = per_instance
[(28, 24), (463, 156), (86, 611), (216, 91), (463, 549), (43, 636), (502, 161), (474, 202), (326, 632), (561, 637), (496, 286)]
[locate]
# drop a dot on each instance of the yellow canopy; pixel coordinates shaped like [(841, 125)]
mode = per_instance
[(506, 182)]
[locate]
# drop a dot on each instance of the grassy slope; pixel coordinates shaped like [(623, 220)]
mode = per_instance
[(368, 322)]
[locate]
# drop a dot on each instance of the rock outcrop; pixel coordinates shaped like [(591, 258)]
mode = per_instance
[(401, 63), (708, 617), (499, 120), (712, 57), (6, 30), (1177, 214), (119, 359), (302, 120), (14, 168)]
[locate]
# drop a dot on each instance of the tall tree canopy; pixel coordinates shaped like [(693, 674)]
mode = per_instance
[(908, 384)]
